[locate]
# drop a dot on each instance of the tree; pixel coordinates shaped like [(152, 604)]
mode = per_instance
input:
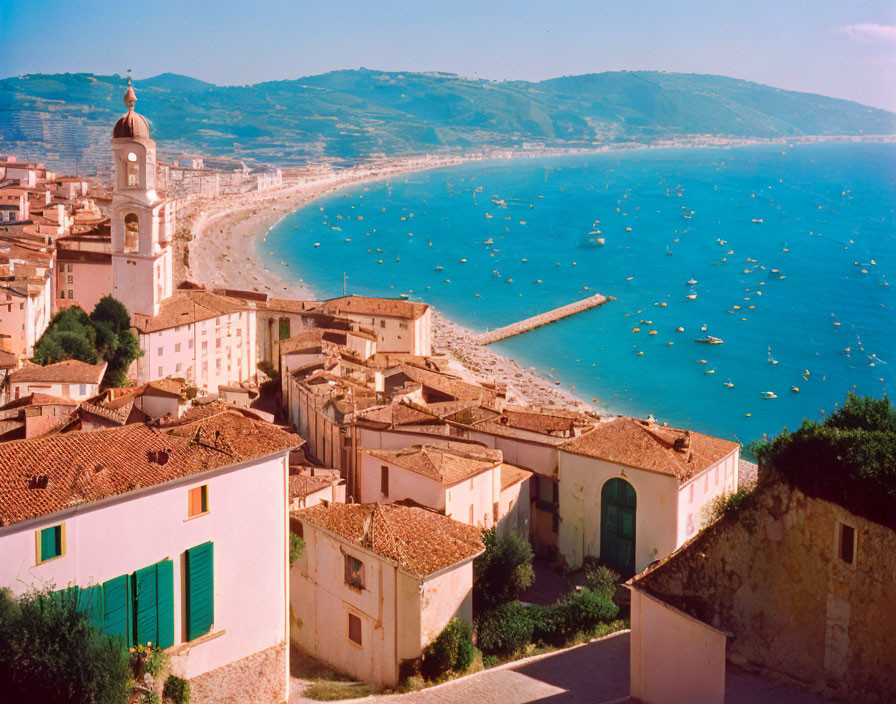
[(503, 572), (50, 654), (70, 335)]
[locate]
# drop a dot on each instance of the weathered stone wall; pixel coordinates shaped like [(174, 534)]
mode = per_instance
[(771, 576), (257, 679)]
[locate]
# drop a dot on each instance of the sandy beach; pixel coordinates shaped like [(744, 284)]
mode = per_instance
[(222, 238)]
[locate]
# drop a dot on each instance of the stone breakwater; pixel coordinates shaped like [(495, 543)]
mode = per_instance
[(536, 321)]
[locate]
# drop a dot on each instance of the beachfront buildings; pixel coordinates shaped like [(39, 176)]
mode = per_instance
[(789, 583), (174, 534), (403, 327), (377, 583)]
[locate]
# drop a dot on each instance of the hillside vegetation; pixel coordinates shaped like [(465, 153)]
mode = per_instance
[(353, 114)]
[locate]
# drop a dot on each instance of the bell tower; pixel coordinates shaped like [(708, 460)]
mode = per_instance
[(142, 221)]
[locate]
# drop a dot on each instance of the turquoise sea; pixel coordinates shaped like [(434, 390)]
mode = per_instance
[(490, 243)]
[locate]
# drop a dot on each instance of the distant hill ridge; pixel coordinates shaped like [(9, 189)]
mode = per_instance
[(67, 118)]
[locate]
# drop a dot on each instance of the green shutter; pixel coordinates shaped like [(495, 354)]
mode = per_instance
[(200, 590), (50, 543), (165, 575), (146, 616), (90, 600), (117, 609)]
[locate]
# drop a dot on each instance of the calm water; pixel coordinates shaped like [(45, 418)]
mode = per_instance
[(828, 218)]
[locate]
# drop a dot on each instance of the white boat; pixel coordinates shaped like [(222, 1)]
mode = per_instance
[(768, 395), (795, 389), (692, 282), (691, 296), (758, 221), (710, 340), (771, 360), (729, 384)]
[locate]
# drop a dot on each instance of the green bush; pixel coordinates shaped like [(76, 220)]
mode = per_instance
[(578, 612), (177, 690), (602, 579), (150, 698), (296, 547), (452, 650), (50, 654), (503, 572), (505, 629), (725, 504)]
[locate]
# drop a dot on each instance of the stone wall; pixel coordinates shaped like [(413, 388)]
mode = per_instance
[(257, 679), (771, 575)]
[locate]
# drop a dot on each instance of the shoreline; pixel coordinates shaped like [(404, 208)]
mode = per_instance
[(242, 222)]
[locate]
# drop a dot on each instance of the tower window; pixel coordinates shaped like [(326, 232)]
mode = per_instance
[(131, 233), (133, 170)]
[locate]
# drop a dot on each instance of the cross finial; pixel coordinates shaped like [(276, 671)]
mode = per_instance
[(130, 97)]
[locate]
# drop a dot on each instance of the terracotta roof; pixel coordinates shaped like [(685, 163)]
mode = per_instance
[(447, 384), (7, 359), (645, 445), (70, 371), (83, 256), (44, 475), (301, 485), (446, 462), (186, 307), (210, 409), (37, 399), (362, 305), (421, 542), (511, 474)]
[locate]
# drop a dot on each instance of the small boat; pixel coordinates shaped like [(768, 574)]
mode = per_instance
[(439, 268), (703, 327), (768, 395), (729, 384), (403, 295), (691, 296), (758, 221), (710, 371), (692, 282), (701, 361), (771, 360), (710, 340), (317, 244), (628, 229), (795, 389)]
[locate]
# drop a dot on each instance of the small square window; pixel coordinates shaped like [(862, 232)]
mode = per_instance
[(382, 323), (198, 501), (846, 543), (50, 543), (354, 629), (354, 572)]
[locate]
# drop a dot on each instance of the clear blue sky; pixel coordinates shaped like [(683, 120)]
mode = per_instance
[(842, 48)]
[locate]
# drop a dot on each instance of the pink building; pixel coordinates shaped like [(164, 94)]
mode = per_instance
[(183, 525), (376, 584)]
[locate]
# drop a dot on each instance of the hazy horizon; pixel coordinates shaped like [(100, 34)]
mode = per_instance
[(834, 49)]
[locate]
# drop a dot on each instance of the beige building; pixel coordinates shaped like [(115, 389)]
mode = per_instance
[(377, 583), (631, 491), (789, 584), (400, 326), (68, 379)]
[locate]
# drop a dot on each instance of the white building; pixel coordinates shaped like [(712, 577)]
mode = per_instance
[(174, 534), (67, 379)]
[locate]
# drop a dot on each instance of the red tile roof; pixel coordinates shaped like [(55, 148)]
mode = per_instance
[(45, 475), (446, 462), (71, 371), (511, 474), (656, 448), (186, 307), (422, 542), (362, 305)]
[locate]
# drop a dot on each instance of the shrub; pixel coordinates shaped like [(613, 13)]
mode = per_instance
[(49, 653), (602, 579), (451, 650), (725, 504), (578, 612), (177, 690), (150, 698), (296, 547), (505, 629), (503, 572)]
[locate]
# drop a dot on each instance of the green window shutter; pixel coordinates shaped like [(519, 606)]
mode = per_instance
[(50, 543), (90, 600), (200, 590), (165, 585), (146, 618), (117, 609)]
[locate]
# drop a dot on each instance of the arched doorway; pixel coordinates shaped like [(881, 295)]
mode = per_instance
[(617, 526), (131, 233)]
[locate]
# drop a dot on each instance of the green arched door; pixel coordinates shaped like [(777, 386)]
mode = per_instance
[(617, 531)]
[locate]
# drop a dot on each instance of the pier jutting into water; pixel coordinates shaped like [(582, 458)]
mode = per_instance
[(536, 321)]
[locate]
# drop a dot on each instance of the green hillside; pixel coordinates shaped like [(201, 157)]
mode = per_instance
[(353, 114)]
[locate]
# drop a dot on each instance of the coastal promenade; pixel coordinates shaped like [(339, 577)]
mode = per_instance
[(536, 321)]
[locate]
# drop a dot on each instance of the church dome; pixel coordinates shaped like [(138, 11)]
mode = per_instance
[(132, 125)]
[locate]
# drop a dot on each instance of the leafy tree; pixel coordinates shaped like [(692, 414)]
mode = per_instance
[(112, 311), (503, 572), (50, 654)]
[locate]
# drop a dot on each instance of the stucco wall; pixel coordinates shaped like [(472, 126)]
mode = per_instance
[(443, 597), (72, 391), (514, 513), (714, 481), (581, 480), (771, 576), (246, 522), (537, 457), (674, 657)]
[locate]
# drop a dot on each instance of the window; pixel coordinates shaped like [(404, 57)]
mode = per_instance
[(161, 351), (133, 170), (153, 589), (161, 372), (204, 342), (198, 501), (382, 323), (354, 572), (354, 629), (177, 368), (69, 279), (82, 389), (71, 293), (200, 590), (189, 344), (50, 543), (846, 543), (384, 480), (177, 347)]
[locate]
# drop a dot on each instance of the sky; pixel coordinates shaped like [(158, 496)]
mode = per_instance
[(840, 48)]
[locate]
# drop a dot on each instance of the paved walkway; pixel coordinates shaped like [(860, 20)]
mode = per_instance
[(594, 673)]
